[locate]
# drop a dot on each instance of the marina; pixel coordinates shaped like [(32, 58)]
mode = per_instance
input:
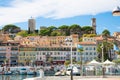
[(23, 70), (16, 77)]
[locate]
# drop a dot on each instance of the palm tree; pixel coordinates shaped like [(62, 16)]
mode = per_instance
[(106, 33), (107, 46), (80, 50)]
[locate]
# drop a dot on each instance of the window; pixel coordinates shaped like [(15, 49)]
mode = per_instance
[(51, 53), (43, 53), (86, 48), (86, 53), (94, 48), (94, 53), (74, 53), (86, 58), (91, 58), (90, 53), (37, 53), (58, 53), (55, 53), (90, 48)]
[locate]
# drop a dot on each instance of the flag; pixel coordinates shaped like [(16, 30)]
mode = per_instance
[(115, 47), (79, 46)]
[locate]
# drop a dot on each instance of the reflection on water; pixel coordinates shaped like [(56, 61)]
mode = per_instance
[(15, 77)]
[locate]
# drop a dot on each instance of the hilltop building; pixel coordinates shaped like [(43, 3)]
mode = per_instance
[(31, 25)]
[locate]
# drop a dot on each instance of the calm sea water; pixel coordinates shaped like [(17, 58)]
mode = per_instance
[(16, 77)]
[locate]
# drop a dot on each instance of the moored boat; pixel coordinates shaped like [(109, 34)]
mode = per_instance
[(7, 73), (31, 71), (23, 71)]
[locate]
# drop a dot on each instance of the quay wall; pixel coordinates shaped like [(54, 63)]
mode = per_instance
[(76, 78)]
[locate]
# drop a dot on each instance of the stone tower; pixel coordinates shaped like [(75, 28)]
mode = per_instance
[(94, 25), (31, 25)]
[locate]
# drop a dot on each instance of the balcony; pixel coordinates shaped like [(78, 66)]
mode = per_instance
[(2, 57), (14, 58), (14, 49)]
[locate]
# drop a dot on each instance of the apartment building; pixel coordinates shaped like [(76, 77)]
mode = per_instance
[(89, 49), (9, 52), (27, 55), (42, 50), (46, 47)]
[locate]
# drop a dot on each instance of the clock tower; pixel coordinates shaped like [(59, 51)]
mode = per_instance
[(94, 25)]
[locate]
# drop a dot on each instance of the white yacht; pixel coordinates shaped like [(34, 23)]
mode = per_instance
[(23, 71), (76, 70)]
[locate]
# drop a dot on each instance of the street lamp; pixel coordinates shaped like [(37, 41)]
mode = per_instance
[(103, 56), (102, 53), (70, 41), (80, 49), (116, 11)]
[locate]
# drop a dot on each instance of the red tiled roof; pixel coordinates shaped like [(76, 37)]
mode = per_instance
[(101, 38)]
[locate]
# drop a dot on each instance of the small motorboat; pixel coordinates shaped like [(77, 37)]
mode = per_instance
[(31, 71), (7, 73), (23, 71)]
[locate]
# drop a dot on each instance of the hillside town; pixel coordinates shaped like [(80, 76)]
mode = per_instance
[(41, 50)]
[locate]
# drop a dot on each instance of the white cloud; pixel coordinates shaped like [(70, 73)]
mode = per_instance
[(21, 10)]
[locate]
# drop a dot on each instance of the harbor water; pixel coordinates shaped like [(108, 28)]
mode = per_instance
[(16, 77)]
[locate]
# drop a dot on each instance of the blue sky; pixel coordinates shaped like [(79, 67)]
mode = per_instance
[(60, 12)]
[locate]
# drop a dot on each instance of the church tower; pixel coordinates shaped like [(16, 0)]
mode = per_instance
[(94, 25)]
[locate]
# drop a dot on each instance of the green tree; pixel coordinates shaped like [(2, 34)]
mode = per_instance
[(67, 62), (117, 61), (23, 33), (52, 28), (45, 32), (50, 59), (64, 29), (106, 33), (107, 46), (87, 29), (10, 28), (89, 35), (55, 33), (118, 52), (75, 28)]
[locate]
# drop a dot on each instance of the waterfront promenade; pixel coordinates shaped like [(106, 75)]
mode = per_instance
[(76, 78)]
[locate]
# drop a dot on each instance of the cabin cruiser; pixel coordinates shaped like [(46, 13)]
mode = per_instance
[(23, 71)]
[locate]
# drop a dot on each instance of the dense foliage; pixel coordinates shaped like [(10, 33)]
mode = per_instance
[(10, 28), (66, 30), (24, 33)]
